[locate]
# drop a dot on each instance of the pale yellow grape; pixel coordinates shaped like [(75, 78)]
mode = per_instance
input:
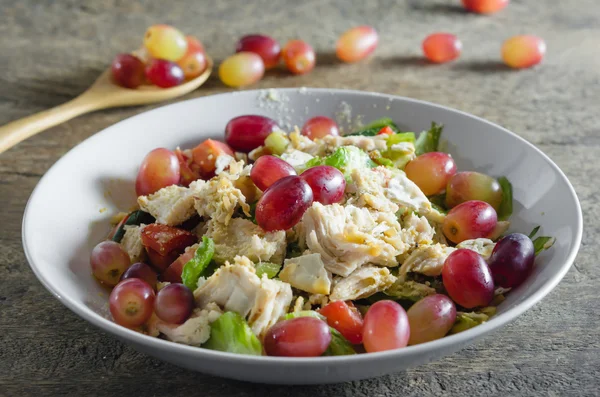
[(241, 69), (165, 42)]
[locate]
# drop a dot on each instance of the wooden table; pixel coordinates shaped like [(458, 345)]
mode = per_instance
[(51, 51)]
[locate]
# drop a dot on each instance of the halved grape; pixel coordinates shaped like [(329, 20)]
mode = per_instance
[(431, 172), (165, 42), (128, 71), (468, 185), (470, 220), (525, 51), (485, 6), (160, 168), (131, 302), (512, 260), (164, 74), (386, 327), (269, 169), (264, 46), (298, 337), (467, 279), (298, 56), (174, 303), (246, 133), (283, 204), (109, 260), (431, 318), (241, 69), (143, 272), (327, 183), (356, 44), (320, 126), (441, 47)]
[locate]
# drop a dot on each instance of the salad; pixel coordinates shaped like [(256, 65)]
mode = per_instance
[(312, 243)]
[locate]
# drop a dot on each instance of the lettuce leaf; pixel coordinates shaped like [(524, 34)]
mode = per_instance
[(230, 333), (345, 159), (428, 141), (541, 243), (375, 126), (506, 206), (194, 268)]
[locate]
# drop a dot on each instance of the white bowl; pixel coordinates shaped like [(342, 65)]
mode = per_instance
[(69, 211)]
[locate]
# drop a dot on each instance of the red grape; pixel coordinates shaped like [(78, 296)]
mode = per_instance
[(467, 185), (356, 44), (386, 327), (431, 172), (164, 74), (269, 169), (264, 46), (246, 133), (298, 56), (441, 47), (128, 71), (174, 303), (283, 204), (131, 302), (523, 51), (430, 318), (468, 279), (469, 220), (160, 168), (298, 337), (485, 6), (109, 261), (319, 127), (241, 69), (346, 319), (512, 260), (327, 183), (143, 272)]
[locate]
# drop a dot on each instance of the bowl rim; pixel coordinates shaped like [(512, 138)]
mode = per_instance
[(440, 344)]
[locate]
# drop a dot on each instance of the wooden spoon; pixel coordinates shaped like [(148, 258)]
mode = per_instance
[(104, 93)]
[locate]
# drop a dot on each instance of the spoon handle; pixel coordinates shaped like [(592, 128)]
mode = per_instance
[(19, 130)]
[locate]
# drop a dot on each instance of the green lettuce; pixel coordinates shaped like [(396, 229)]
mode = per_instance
[(230, 333), (506, 206), (541, 243), (196, 266), (339, 346), (268, 268), (345, 159), (409, 290), (465, 321), (429, 141), (375, 126)]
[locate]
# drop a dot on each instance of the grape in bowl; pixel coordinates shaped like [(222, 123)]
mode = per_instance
[(61, 261)]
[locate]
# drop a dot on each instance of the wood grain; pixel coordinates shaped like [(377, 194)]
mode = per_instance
[(52, 51)]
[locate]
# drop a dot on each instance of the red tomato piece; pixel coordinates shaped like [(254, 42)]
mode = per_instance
[(188, 175), (387, 130), (346, 318), (206, 153), (160, 262), (173, 272), (166, 239), (118, 225)]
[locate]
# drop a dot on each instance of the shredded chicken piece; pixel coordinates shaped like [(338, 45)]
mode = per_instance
[(482, 246), (195, 330), (237, 288), (242, 237), (347, 237), (369, 188), (219, 198), (132, 243), (172, 205), (298, 304), (426, 259), (316, 300), (362, 283)]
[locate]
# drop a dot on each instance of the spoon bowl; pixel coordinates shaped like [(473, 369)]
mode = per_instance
[(102, 94)]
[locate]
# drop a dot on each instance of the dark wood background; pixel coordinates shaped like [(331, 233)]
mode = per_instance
[(51, 51)]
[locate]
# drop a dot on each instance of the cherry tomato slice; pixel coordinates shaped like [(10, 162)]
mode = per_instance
[(173, 272), (188, 175), (387, 130), (346, 318), (160, 262), (166, 239), (206, 153)]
